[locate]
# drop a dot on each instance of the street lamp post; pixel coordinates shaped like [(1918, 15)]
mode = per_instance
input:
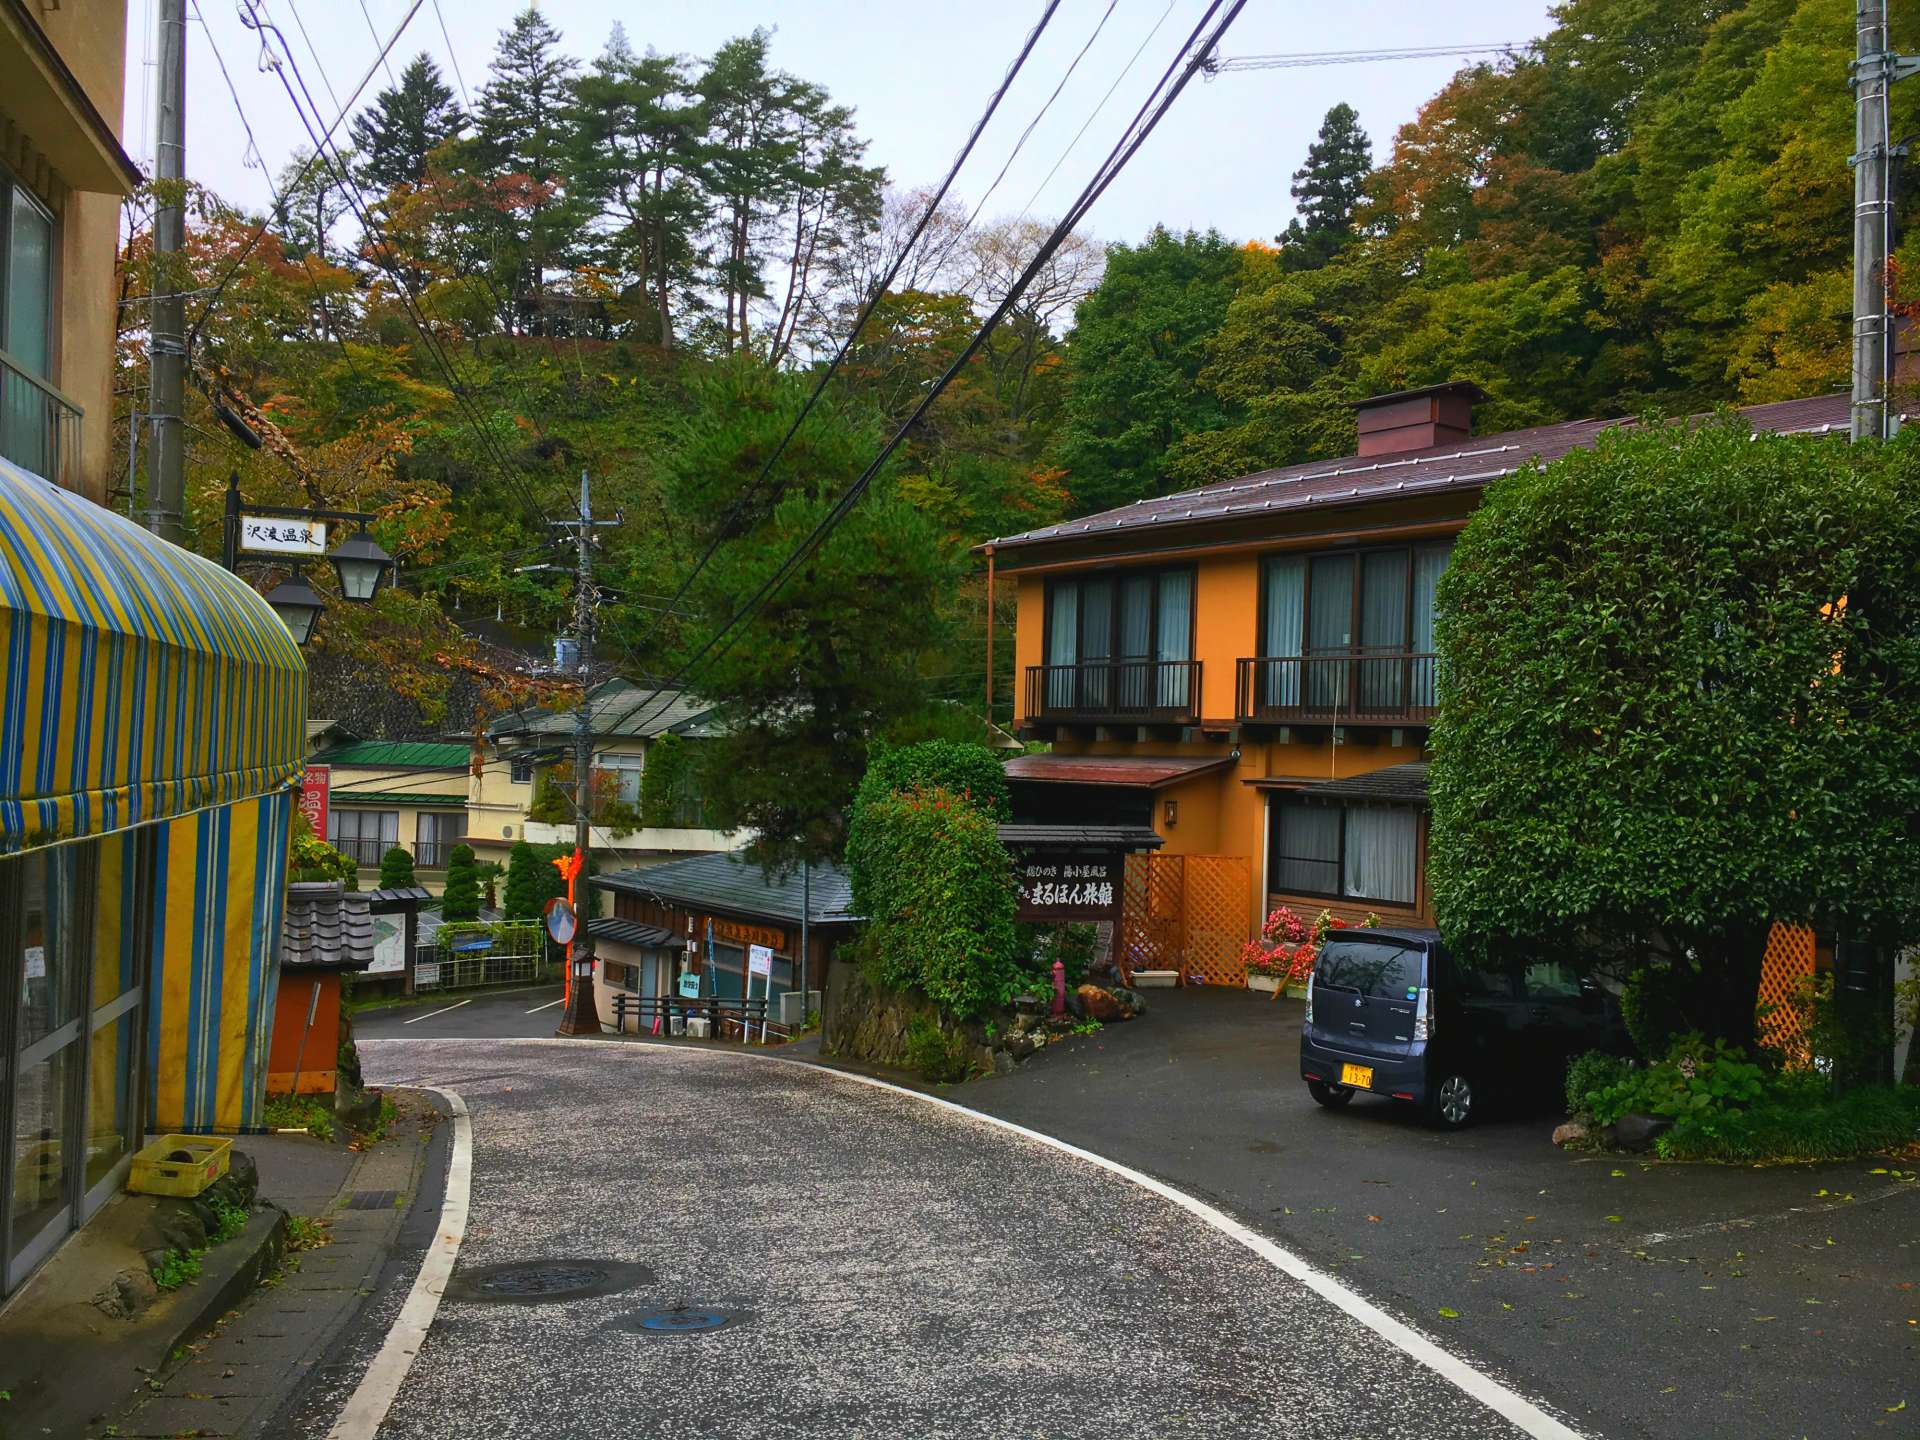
[(363, 567)]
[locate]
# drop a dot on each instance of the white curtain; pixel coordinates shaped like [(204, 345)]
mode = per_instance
[(1063, 641), (1279, 685), (1429, 564), (1175, 640), (1306, 851), (1136, 640), (1380, 854)]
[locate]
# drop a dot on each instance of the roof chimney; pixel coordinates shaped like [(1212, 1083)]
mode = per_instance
[(1417, 419)]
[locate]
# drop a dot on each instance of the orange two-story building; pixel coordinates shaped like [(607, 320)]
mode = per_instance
[(1249, 667)]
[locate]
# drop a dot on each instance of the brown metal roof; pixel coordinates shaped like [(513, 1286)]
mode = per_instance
[(1462, 465), (1146, 772), (1400, 784)]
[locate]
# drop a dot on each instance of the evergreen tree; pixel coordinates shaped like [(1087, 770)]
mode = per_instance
[(1327, 190), (637, 133), (405, 124), (522, 130), (396, 869), (462, 898), (526, 891)]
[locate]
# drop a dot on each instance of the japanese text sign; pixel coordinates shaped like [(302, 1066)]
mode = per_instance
[(263, 534), (1063, 885)]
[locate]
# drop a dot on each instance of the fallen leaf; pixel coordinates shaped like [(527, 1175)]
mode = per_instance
[(1375, 1220), (1762, 1319), (1896, 1409), (1613, 1219), (1505, 1306), (1446, 1314), (1618, 1175)]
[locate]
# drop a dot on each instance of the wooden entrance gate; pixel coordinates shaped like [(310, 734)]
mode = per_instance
[(1187, 913)]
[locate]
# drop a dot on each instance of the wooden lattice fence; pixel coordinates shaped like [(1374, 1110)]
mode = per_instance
[(1791, 953), (1187, 913)]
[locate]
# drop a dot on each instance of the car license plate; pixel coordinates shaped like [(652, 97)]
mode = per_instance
[(1358, 1076)]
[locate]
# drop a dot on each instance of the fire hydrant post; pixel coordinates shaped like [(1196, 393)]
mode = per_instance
[(1059, 988)]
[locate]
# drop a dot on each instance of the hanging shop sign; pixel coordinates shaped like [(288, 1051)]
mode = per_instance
[(745, 935), (267, 535), (1062, 885), (314, 787)]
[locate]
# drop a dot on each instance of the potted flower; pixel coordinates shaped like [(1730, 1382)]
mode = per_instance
[(1273, 961)]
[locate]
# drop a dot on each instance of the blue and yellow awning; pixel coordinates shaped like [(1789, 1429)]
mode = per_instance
[(138, 681)]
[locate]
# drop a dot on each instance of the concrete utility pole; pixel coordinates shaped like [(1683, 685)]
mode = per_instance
[(167, 345), (1875, 68), (581, 1016)]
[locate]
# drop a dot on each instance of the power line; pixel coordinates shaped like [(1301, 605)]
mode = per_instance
[(315, 54), (1299, 58), (233, 266), (1125, 70), (368, 14), (1145, 120), (452, 58), (722, 530)]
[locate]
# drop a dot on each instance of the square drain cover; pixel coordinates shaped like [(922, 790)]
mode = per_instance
[(371, 1200)]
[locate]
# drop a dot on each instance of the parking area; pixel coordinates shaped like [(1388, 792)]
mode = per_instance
[(1646, 1299)]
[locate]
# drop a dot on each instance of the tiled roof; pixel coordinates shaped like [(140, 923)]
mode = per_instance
[(1081, 837), (1402, 784), (730, 882), (620, 708), (326, 928), (1462, 465), (411, 799), (631, 932), (1148, 772), (396, 755)]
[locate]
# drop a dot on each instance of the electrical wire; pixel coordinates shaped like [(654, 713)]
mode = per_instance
[(722, 532), (452, 58), (1173, 81), (368, 15)]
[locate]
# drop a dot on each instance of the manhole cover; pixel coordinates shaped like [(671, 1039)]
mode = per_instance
[(371, 1200), (530, 1282), (684, 1320)]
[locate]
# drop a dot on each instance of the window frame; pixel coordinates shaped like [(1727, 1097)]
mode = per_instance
[(520, 769), (1357, 554), (11, 184), (1343, 807), (1118, 575)]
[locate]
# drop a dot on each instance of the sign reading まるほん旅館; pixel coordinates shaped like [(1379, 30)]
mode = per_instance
[(1068, 885)]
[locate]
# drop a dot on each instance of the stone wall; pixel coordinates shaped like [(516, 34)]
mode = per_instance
[(870, 1025)]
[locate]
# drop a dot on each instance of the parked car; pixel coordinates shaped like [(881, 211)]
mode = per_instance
[(1391, 1013)]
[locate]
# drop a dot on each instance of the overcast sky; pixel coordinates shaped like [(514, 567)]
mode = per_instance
[(918, 72)]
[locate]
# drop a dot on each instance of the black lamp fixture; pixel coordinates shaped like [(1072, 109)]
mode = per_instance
[(363, 566), (297, 604)]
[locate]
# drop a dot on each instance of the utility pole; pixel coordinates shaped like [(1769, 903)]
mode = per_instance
[(581, 1016), (167, 336), (1875, 68)]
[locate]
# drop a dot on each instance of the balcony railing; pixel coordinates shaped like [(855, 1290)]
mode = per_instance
[(1153, 692), (431, 854), (364, 852), (39, 427), (1348, 688)]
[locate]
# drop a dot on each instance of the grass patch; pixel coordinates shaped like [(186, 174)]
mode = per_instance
[(229, 1221), (300, 1112), (179, 1268), (938, 1056), (306, 1233), (1805, 1128), (388, 1113)]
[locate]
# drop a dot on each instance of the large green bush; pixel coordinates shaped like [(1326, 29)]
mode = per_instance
[(936, 885), (396, 869), (1680, 675), (970, 770)]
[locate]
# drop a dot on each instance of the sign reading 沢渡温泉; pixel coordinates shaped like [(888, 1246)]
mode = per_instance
[(265, 535), (1063, 885)]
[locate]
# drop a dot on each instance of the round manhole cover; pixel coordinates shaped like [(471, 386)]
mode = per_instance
[(531, 1282), (684, 1320)]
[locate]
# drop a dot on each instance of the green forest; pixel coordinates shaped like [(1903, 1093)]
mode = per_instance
[(635, 264)]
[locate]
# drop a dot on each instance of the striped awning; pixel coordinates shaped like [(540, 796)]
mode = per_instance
[(140, 681)]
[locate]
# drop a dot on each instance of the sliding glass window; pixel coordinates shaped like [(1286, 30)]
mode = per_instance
[(1120, 642)]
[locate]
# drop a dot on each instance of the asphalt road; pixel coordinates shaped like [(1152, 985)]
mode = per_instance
[(1642, 1300), (896, 1269)]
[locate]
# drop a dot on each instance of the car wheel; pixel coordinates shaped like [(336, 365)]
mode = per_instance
[(1453, 1102), (1331, 1096)]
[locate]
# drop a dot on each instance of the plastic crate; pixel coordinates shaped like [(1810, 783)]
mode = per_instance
[(181, 1165)]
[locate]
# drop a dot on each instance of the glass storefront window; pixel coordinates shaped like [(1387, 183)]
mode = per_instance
[(41, 1153), (110, 1086)]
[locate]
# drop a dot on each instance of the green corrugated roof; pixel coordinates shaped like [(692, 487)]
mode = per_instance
[(396, 799), (396, 755)]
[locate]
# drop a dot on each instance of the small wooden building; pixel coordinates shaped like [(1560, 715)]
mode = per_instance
[(327, 931)]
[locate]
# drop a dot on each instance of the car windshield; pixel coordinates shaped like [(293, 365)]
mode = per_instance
[(1372, 967)]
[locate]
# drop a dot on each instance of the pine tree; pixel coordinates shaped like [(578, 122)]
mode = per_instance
[(526, 891), (396, 869), (462, 898), (1327, 190), (404, 125), (521, 125)]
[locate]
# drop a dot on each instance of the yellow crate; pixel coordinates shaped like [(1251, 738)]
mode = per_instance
[(181, 1165)]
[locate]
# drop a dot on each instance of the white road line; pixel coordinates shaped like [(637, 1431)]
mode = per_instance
[(431, 1013), (1792, 1212), (1509, 1404), (367, 1407), (548, 1006)]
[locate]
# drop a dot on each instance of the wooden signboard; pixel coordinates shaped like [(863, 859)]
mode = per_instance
[(1059, 885)]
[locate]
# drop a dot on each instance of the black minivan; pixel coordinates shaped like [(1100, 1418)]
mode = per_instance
[(1391, 1013)]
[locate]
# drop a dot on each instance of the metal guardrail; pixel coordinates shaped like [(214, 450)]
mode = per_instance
[(1349, 688), (39, 427), (1164, 692)]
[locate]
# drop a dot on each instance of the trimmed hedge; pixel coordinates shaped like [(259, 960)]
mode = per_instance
[(972, 771)]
